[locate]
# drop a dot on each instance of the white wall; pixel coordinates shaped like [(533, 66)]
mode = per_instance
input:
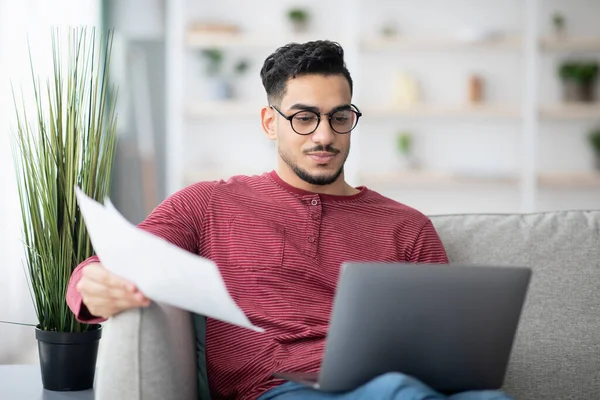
[(19, 19)]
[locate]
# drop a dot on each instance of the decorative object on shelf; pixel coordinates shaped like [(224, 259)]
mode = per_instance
[(406, 92), (220, 84), (558, 23), (578, 80), (389, 29), (214, 59), (299, 18), (475, 89), (404, 145), (219, 87), (594, 139), (241, 66), (68, 139)]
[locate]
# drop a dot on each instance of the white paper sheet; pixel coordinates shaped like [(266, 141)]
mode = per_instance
[(162, 271)]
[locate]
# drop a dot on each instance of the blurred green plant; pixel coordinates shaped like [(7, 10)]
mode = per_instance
[(241, 67), (594, 139), (298, 15), (215, 59), (583, 72), (404, 141), (558, 21)]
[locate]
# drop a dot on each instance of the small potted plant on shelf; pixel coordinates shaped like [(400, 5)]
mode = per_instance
[(220, 83), (404, 145), (389, 30), (65, 139), (594, 139), (299, 17), (558, 23), (578, 80)]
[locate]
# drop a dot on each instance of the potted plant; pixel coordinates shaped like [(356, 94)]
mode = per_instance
[(299, 18), (389, 29), (558, 23), (404, 145), (594, 139), (220, 87), (578, 79), (66, 138)]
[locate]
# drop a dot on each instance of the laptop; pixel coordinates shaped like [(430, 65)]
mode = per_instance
[(450, 326)]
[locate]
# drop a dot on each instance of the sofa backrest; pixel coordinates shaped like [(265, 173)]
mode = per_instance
[(557, 350)]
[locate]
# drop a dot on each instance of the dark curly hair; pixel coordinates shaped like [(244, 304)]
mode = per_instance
[(321, 57)]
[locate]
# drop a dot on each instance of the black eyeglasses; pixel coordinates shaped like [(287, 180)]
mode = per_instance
[(306, 122)]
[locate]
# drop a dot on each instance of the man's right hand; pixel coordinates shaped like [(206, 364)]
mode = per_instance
[(105, 294)]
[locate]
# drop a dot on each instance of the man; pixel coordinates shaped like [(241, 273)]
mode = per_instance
[(279, 238)]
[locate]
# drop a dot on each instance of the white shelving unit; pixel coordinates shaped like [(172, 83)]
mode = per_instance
[(577, 44), (589, 180), (524, 117), (426, 44), (198, 40), (571, 111)]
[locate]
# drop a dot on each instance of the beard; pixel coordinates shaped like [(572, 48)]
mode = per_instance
[(313, 179)]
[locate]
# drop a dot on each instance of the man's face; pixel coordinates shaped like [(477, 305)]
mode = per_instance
[(317, 158)]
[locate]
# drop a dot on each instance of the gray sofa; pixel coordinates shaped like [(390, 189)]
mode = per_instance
[(153, 353)]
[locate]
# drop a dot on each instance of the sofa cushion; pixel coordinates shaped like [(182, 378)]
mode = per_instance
[(148, 354), (557, 350)]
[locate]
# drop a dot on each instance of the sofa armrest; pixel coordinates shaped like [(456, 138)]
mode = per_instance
[(148, 354)]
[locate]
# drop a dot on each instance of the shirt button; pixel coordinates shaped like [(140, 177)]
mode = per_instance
[(311, 239), (314, 202), (315, 216)]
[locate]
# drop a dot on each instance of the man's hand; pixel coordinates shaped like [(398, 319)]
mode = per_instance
[(105, 294)]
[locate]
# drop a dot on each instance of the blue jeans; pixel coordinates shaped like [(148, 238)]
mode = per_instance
[(391, 386)]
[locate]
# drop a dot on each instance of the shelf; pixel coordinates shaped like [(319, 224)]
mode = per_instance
[(424, 110), (573, 44), (571, 111), (432, 178), (228, 40), (570, 180), (510, 43), (201, 109), (203, 40)]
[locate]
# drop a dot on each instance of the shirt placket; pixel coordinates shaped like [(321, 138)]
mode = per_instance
[(315, 213)]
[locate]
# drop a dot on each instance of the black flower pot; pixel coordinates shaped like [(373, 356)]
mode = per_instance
[(68, 359)]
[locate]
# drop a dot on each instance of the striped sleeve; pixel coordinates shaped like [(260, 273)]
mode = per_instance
[(178, 219), (428, 248), (74, 297)]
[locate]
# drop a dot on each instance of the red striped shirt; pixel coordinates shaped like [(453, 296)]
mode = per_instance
[(279, 250)]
